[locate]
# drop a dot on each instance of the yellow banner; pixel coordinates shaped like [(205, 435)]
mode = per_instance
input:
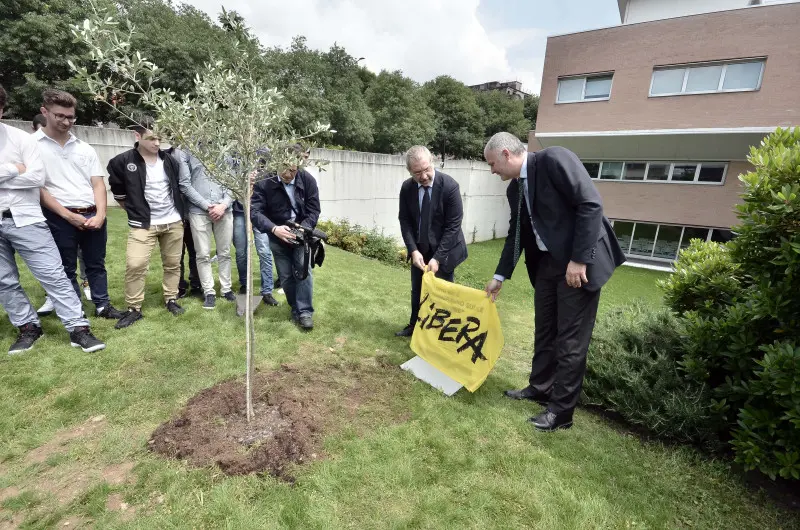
[(458, 331)]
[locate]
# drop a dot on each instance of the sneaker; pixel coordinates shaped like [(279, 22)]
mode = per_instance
[(28, 334), (269, 299), (305, 322), (129, 318), (81, 337), (242, 289), (210, 302), (87, 292), (182, 292), (229, 296), (46, 308), (174, 308), (110, 312)]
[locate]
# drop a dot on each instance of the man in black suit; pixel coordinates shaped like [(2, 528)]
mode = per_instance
[(570, 252), (430, 220)]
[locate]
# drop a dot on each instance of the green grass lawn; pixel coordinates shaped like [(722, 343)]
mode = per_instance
[(467, 461)]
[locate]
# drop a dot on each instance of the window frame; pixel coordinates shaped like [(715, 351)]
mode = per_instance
[(585, 77), (720, 83), (652, 255), (695, 181)]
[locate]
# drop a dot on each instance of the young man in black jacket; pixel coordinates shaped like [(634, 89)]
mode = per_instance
[(291, 196), (144, 181)]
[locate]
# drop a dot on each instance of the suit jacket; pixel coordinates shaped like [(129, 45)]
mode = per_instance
[(568, 215), (446, 239), (270, 205)]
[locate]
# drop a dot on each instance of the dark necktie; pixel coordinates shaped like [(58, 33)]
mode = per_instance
[(425, 221), (521, 189)]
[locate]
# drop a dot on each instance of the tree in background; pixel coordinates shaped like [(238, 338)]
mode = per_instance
[(402, 118), (530, 109), (233, 124), (503, 113), (459, 120)]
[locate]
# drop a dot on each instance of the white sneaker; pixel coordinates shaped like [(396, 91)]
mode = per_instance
[(46, 308), (87, 292), (214, 258)]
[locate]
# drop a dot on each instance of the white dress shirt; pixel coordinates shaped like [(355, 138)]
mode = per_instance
[(69, 169), (20, 192)]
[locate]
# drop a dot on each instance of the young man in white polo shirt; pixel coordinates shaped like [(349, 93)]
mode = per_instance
[(23, 231), (74, 198), (144, 181)]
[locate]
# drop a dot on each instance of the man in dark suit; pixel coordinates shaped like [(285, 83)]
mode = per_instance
[(430, 220), (570, 252)]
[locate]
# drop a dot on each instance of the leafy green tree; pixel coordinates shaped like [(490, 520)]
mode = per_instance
[(530, 109), (402, 118), (503, 113), (459, 120), (35, 45)]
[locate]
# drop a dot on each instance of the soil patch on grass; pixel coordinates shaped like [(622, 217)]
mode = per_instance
[(294, 408)]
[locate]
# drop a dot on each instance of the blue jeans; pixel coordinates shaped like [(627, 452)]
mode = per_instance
[(91, 244), (262, 249), (298, 292)]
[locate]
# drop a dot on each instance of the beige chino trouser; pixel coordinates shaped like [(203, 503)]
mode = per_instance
[(141, 242)]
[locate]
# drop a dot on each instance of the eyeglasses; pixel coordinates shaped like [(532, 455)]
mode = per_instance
[(421, 172), (64, 117)]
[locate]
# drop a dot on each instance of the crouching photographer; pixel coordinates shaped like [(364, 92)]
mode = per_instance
[(286, 206)]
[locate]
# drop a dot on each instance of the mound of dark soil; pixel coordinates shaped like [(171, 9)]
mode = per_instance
[(293, 407)]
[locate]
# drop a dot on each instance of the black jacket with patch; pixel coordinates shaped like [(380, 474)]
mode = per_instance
[(127, 176)]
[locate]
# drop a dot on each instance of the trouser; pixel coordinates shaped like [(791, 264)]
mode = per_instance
[(564, 320), (299, 293), (141, 242), (36, 247), (92, 246), (416, 287), (262, 249), (202, 228), (188, 248)]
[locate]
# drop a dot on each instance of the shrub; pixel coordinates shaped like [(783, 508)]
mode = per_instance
[(704, 279), (633, 369), (739, 311), (368, 243)]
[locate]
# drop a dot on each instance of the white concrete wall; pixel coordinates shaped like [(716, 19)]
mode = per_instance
[(646, 10), (362, 187)]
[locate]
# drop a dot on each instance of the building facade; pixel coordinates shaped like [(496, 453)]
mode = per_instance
[(664, 108), (512, 89)]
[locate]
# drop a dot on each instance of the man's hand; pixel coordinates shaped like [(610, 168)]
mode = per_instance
[(21, 168), (493, 289), (95, 223), (77, 220), (417, 260), (284, 234), (576, 274), (216, 211), (433, 266)]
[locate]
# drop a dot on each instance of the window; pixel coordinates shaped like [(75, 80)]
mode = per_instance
[(669, 172), (588, 88), (683, 172), (624, 231), (644, 237), (611, 170), (667, 242), (690, 233), (634, 171), (662, 242), (707, 78), (593, 168), (658, 171)]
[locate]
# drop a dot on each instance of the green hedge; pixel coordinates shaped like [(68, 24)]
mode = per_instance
[(368, 243)]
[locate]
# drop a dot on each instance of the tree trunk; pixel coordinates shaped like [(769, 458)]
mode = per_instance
[(248, 304)]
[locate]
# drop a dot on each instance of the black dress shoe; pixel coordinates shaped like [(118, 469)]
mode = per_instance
[(549, 421), (405, 332), (529, 394)]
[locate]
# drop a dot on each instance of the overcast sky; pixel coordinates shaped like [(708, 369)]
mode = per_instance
[(472, 40)]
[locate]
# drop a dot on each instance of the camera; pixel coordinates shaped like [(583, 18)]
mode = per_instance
[(304, 235)]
